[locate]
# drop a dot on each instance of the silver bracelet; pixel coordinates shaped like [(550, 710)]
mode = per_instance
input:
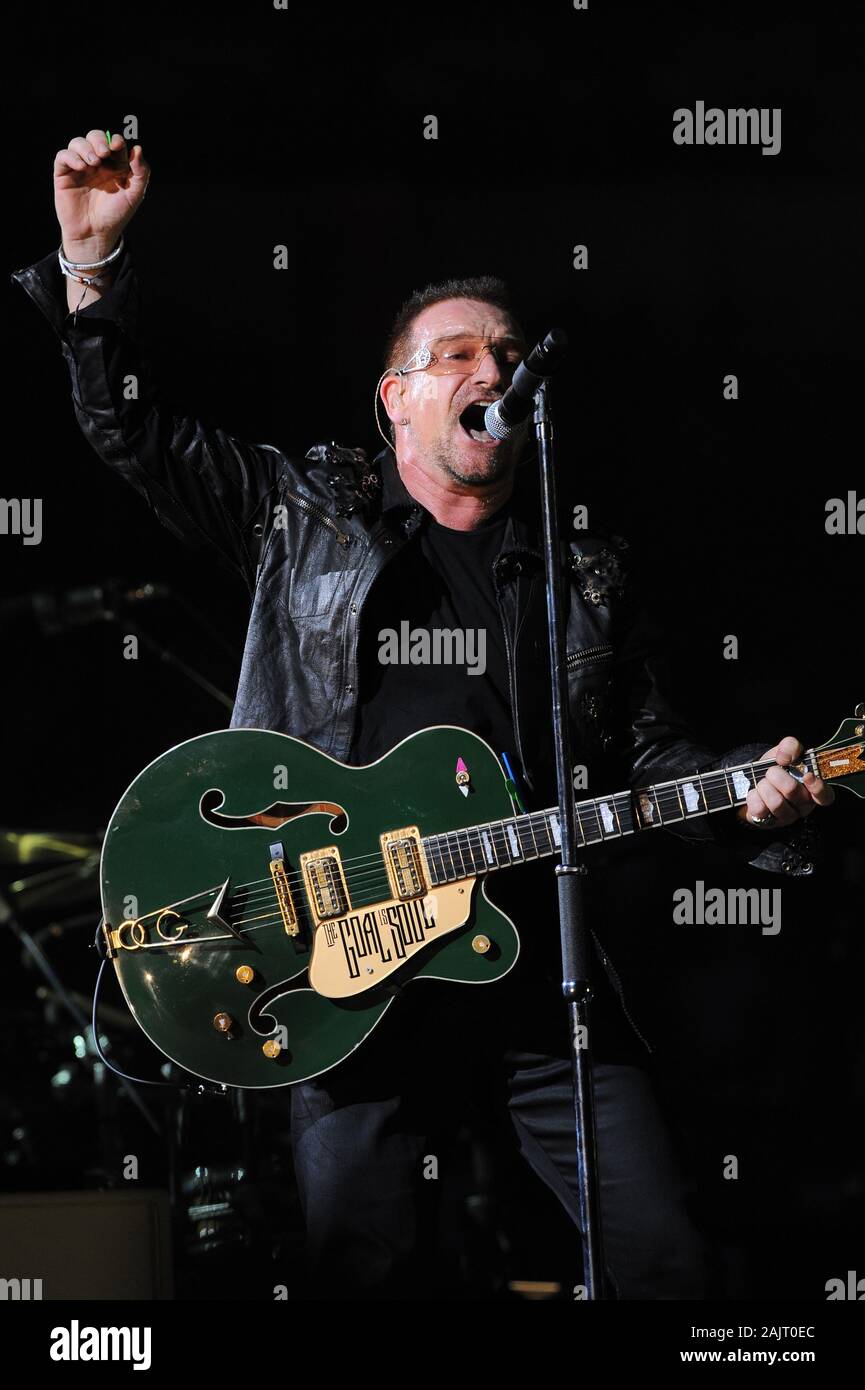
[(67, 265), (82, 279)]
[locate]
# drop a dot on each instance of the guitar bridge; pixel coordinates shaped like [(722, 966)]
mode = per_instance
[(284, 900), (404, 861)]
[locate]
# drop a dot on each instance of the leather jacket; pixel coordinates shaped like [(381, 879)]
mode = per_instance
[(309, 536)]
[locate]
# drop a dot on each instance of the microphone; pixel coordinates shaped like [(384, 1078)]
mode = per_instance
[(57, 610), (504, 416)]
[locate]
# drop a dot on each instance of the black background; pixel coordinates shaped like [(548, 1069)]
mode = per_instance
[(555, 128)]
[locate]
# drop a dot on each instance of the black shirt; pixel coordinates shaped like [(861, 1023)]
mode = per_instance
[(442, 580)]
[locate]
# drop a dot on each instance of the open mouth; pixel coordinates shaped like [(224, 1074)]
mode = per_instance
[(472, 422)]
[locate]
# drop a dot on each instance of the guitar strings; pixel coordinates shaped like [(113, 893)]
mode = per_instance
[(667, 796), (667, 791), (373, 877)]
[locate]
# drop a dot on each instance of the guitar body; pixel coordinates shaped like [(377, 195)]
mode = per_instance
[(263, 903), (217, 923)]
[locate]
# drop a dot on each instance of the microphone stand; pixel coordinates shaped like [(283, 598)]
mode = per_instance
[(570, 874)]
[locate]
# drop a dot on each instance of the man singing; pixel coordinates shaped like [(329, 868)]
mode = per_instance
[(439, 532)]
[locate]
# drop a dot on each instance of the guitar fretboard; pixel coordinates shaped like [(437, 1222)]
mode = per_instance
[(479, 849)]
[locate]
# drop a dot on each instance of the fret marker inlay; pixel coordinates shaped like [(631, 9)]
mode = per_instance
[(459, 854), (692, 796)]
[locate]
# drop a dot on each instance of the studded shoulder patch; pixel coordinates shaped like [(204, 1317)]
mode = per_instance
[(353, 480), (600, 569)]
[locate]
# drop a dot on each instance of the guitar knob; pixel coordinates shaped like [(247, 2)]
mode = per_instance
[(481, 944), (271, 1048), (244, 974), (223, 1023)]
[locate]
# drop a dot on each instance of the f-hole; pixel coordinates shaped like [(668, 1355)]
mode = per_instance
[(272, 817)]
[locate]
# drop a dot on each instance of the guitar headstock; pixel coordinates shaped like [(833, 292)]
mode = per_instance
[(841, 760)]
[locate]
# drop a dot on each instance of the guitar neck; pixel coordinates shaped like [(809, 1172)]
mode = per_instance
[(480, 849)]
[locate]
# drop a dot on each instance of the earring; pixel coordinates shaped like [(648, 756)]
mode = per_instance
[(403, 422)]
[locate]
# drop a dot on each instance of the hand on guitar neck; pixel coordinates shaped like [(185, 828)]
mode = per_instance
[(779, 798)]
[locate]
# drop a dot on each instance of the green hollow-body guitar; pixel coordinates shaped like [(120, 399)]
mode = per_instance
[(263, 903)]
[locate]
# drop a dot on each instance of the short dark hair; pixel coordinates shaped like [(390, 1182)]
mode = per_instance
[(487, 289)]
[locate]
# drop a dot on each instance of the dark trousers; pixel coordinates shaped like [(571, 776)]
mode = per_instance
[(364, 1135)]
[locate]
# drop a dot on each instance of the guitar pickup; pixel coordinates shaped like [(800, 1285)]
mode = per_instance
[(284, 900), (326, 887), (404, 861)]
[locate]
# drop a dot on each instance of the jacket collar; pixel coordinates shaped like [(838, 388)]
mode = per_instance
[(394, 493)]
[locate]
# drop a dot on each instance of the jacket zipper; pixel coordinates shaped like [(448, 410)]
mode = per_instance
[(613, 977), (512, 676), (588, 654), (375, 578), (304, 505), (573, 659)]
